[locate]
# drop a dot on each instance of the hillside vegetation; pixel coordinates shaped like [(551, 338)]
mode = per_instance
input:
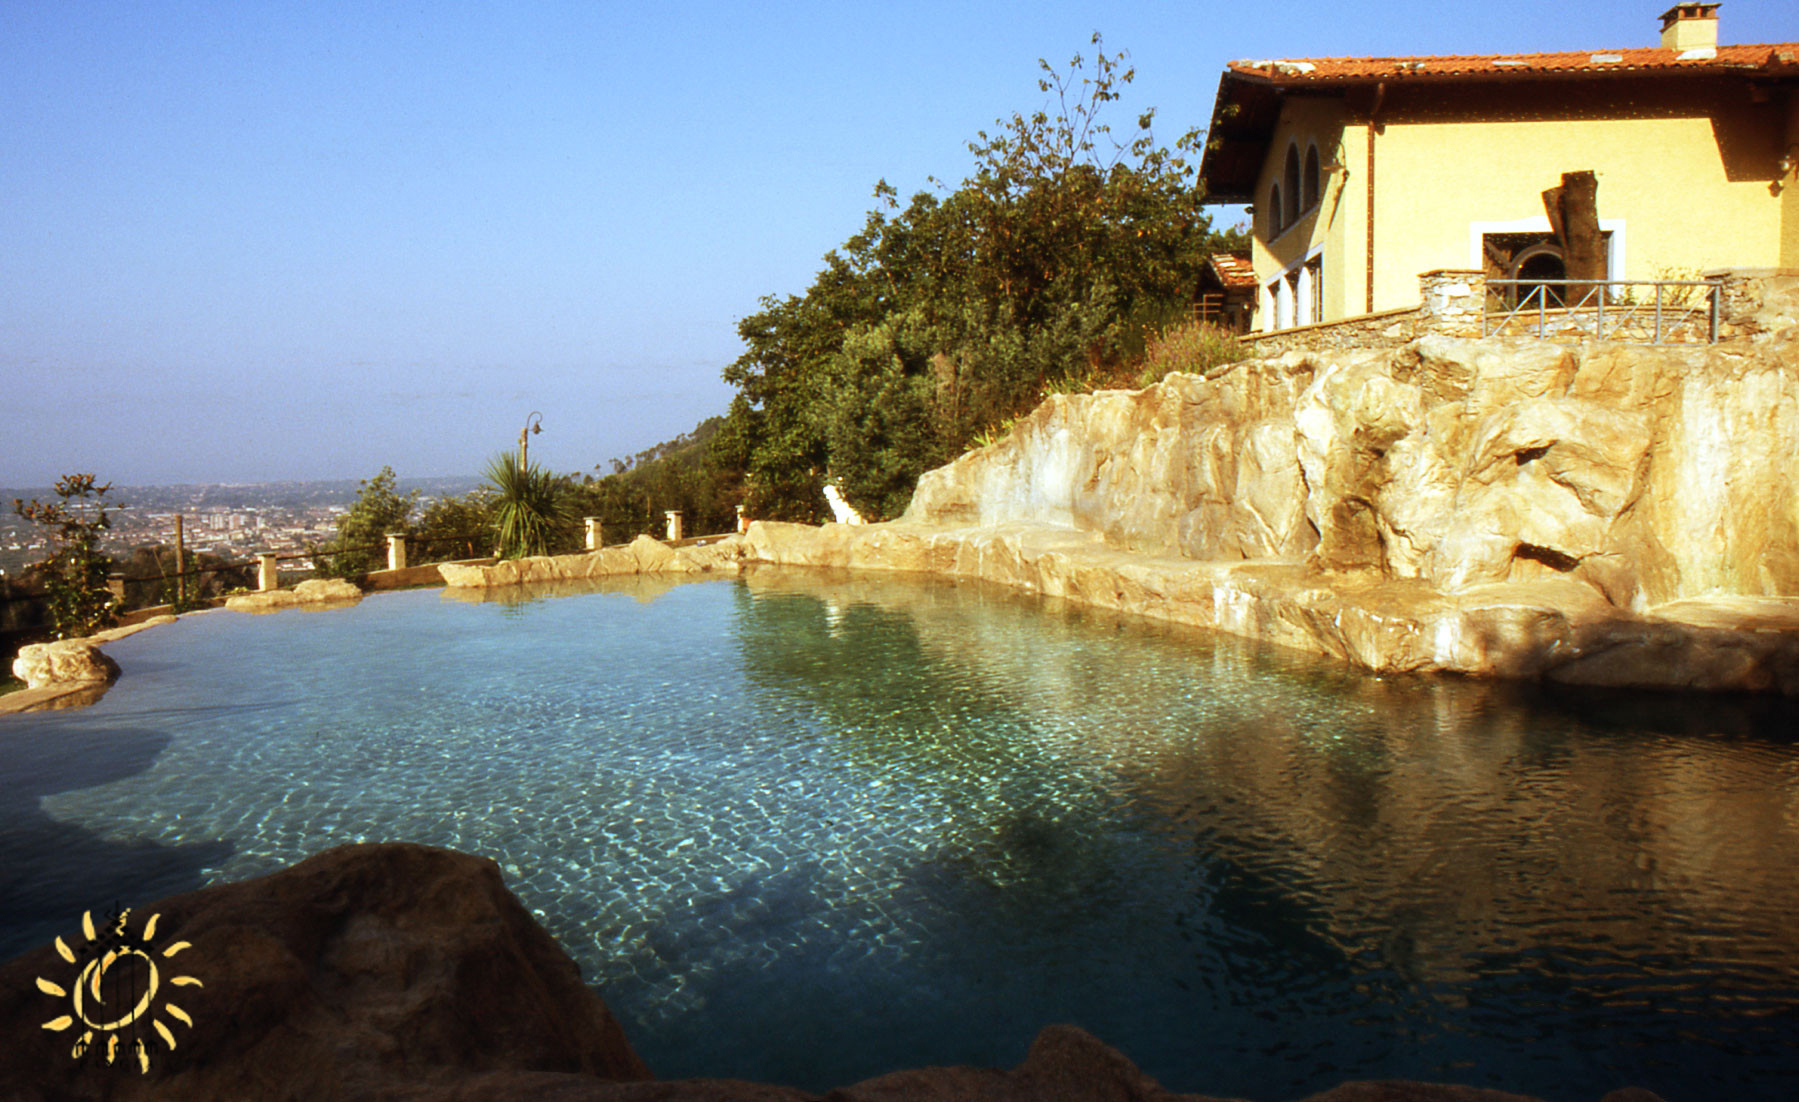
[(1045, 269), (1067, 260)]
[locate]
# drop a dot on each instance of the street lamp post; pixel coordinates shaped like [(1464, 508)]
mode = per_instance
[(524, 436)]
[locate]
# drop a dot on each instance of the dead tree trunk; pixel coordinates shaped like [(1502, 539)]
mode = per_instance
[(1573, 211)]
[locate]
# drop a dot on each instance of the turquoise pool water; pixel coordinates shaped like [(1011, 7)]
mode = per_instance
[(808, 828)]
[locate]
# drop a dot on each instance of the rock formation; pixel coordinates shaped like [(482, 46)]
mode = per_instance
[(406, 972), (643, 555), (1600, 513), (365, 971), (68, 673), (314, 595), (1647, 474)]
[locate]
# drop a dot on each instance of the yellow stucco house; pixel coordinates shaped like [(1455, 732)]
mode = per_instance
[(1362, 173)]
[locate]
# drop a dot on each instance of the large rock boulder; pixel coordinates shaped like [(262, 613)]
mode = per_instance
[(365, 971), (41, 665), (314, 594), (68, 673)]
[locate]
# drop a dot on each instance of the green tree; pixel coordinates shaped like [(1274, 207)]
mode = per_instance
[(1044, 269), (454, 528), (75, 572), (362, 531), (681, 473)]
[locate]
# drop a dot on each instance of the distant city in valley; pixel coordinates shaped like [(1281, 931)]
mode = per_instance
[(231, 520)]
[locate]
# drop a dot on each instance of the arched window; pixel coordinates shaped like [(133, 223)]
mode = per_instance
[(1312, 190), (1290, 178), (1540, 271), (1274, 211)]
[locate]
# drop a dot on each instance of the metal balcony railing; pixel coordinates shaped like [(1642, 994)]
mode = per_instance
[(1645, 311)]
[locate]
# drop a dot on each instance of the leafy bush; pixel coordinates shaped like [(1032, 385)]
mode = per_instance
[(74, 575), (455, 528)]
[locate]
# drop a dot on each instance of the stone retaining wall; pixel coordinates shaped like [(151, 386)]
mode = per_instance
[(1452, 302)]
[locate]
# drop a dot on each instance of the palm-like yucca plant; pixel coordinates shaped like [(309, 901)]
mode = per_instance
[(530, 507)]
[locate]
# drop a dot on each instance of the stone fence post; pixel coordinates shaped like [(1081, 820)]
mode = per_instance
[(268, 577), (1454, 300), (674, 524), (396, 550), (593, 534)]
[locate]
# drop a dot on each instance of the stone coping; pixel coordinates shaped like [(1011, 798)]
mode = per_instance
[(1551, 629)]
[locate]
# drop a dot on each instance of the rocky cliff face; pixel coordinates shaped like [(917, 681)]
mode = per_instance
[(1647, 475)]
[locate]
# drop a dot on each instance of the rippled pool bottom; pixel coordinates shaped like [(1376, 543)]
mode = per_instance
[(811, 828)]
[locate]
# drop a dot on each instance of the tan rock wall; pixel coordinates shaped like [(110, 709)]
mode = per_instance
[(1647, 474)]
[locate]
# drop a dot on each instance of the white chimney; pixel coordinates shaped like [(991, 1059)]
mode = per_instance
[(1690, 27)]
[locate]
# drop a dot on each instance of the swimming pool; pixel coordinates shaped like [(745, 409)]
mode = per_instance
[(808, 827)]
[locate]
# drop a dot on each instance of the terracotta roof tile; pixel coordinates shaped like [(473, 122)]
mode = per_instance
[(1776, 56), (1234, 269)]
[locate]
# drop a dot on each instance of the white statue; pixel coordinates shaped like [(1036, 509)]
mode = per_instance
[(841, 509)]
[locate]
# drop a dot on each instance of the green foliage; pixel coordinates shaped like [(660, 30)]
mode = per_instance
[(531, 510), (455, 528), (361, 543), (958, 311), (675, 474), (75, 573)]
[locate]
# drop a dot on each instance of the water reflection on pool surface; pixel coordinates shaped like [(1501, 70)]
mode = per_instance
[(810, 827)]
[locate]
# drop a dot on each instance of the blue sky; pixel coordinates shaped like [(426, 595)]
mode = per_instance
[(246, 242)]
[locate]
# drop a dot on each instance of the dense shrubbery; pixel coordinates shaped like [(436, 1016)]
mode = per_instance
[(957, 312)]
